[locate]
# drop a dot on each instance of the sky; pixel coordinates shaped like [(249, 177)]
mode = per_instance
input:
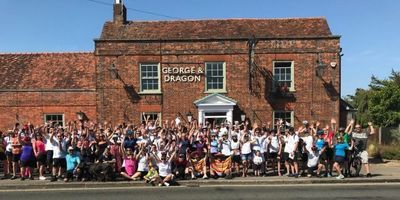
[(369, 29)]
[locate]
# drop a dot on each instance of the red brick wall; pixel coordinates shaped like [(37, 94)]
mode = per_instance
[(312, 99), (31, 106)]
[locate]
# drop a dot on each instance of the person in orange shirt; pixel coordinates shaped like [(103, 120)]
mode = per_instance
[(16, 152)]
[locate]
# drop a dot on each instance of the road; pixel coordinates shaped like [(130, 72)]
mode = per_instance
[(298, 192)]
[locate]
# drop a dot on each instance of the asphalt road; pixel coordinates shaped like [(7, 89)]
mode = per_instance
[(298, 192)]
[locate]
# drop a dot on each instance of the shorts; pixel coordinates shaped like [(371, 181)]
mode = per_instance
[(9, 155), (273, 156), (246, 157), (142, 174), (16, 157), (256, 167), (339, 159), (59, 162), (236, 159), (329, 153), (28, 163), (49, 155), (364, 157), (41, 158), (285, 157), (323, 157), (2, 156)]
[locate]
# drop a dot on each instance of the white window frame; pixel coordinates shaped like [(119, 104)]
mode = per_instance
[(223, 90), (291, 116), (157, 91), (159, 116), (291, 88), (49, 114)]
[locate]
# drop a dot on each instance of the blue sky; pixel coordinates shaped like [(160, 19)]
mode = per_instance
[(370, 29)]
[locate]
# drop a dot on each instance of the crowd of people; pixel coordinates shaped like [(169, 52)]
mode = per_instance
[(162, 153)]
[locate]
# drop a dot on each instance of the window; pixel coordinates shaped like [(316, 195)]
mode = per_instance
[(215, 77), (150, 78), (286, 116), (57, 119), (152, 116), (283, 74)]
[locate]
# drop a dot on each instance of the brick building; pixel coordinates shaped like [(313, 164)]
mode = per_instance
[(216, 69)]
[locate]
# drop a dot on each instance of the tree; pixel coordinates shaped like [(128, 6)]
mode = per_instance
[(380, 103)]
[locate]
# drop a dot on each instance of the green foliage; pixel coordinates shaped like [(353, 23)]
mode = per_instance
[(390, 152), (380, 103)]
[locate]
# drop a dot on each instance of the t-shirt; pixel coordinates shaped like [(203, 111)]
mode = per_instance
[(73, 160), (142, 164), (257, 160), (164, 169), (291, 141), (308, 140), (27, 153), (226, 148), (246, 147), (214, 146), (274, 144), (360, 140), (235, 146), (130, 166), (320, 143), (313, 157), (57, 152), (340, 149)]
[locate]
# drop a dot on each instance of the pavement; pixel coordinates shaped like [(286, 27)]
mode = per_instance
[(386, 172)]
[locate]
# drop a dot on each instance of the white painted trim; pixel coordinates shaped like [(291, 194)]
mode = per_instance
[(158, 91), (292, 88), (223, 90)]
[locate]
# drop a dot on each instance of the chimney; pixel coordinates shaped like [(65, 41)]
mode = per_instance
[(119, 12)]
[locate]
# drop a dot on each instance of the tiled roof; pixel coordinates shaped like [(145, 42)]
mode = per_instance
[(47, 71), (217, 29)]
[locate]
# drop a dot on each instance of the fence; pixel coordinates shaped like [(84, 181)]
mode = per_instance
[(388, 135)]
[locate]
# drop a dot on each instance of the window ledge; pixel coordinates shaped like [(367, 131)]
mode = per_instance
[(216, 91), (150, 92)]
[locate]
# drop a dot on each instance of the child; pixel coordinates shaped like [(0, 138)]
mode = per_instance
[(257, 160), (152, 174)]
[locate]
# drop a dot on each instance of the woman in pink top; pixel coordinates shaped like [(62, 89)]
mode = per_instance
[(129, 164), (40, 153)]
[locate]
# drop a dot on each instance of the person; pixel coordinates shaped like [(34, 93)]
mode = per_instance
[(3, 157), (246, 153), (290, 155), (235, 146), (9, 156), (340, 153), (274, 146), (361, 143), (164, 168), (128, 164), (16, 152), (313, 161), (142, 159), (73, 161), (152, 175), (257, 163), (197, 165), (181, 167), (39, 149), (59, 150), (27, 157)]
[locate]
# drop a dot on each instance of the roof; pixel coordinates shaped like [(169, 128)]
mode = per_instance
[(47, 71), (215, 99), (217, 29)]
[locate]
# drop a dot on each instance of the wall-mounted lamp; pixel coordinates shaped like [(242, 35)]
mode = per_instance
[(319, 69), (243, 117), (189, 116), (113, 71), (80, 115)]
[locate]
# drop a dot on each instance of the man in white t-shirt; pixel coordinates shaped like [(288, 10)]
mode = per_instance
[(289, 154), (59, 151)]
